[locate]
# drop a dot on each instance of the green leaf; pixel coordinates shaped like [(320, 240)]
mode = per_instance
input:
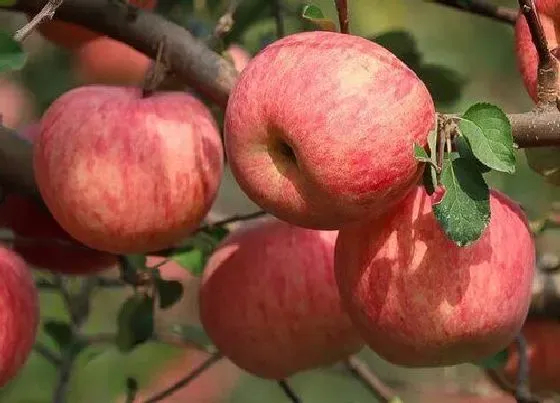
[(7, 3), (465, 151), (60, 332), (12, 55), (488, 131), (217, 233), (496, 361), (192, 259), (464, 210), (420, 154), (313, 14), (194, 335), (169, 292), (135, 322)]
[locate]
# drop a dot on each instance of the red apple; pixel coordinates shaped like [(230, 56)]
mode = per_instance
[(269, 300), (239, 56), (420, 300), (72, 36), (543, 354), (16, 105), (320, 128), (19, 314), (126, 174), (106, 61)]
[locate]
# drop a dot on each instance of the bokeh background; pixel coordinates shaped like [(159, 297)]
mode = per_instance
[(463, 58)]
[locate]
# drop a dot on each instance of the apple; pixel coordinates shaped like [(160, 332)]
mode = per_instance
[(123, 173), (269, 301), (16, 105), (212, 386), (328, 138), (419, 300), (106, 61), (239, 56), (72, 36), (543, 354), (19, 314)]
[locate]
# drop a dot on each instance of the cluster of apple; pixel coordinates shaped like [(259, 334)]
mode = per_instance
[(319, 132)]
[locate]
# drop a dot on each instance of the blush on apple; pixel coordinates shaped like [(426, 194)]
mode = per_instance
[(123, 173), (419, 300), (320, 128)]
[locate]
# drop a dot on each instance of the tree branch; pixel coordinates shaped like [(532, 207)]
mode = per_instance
[(342, 8), (483, 8), (190, 59), (46, 353), (289, 392)]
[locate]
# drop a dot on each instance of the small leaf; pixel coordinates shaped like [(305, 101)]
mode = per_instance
[(489, 133), (464, 210), (61, 333), (194, 335), (313, 14), (217, 233), (169, 292), (496, 361), (464, 149), (135, 322), (192, 259), (12, 55)]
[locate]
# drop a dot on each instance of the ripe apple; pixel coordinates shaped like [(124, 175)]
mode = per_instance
[(543, 354), (16, 105), (127, 174), (106, 61), (419, 300), (72, 36), (19, 314), (239, 56), (269, 300), (328, 138)]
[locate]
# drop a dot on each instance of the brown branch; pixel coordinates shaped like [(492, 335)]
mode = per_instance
[(190, 59), (547, 92), (46, 13), (483, 8), (289, 392), (47, 353), (364, 373), (342, 8)]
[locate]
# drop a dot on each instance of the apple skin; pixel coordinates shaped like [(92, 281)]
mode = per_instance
[(239, 56), (328, 138), (544, 357), (419, 300), (72, 36), (270, 304), (106, 61), (19, 314), (16, 105), (126, 174)]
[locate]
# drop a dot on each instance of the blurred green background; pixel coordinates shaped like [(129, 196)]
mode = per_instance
[(463, 58)]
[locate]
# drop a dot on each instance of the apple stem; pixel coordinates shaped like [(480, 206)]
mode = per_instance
[(289, 392), (522, 392), (364, 373), (547, 92), (483, 8), (342, 8), (194, 374), (46, 13), (156, 73), (279, 18)]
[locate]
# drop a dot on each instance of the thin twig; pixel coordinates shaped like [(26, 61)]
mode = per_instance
[(47, 353), (47, 13), (61, 389), (522, 391), (364, 373), (483, 8), (548, 68), (45, 284), (131, 390), (225, 22), (186, 380), (156, 72), (278, 18), (288, 391), (342, 8)]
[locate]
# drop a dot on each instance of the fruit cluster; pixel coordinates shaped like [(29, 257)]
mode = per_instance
[(353, 255)]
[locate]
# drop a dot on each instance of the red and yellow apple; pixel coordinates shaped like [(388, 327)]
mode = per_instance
[(269, 301), (16, 105), (19, 314), (123, 173), (419, 300), (72, 36), (320, 128), (106, 61)]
